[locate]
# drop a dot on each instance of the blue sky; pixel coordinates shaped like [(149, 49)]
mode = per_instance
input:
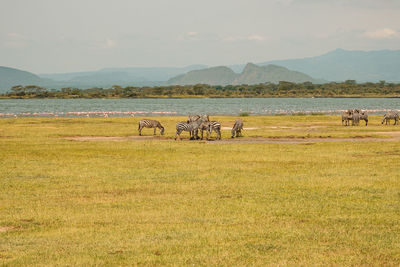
[(47, 36)]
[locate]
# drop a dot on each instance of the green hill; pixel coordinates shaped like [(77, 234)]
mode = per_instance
[(253, 74), (10, 77), (212, 76)]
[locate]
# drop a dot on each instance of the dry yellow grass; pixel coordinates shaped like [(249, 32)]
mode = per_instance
[(161, 202)]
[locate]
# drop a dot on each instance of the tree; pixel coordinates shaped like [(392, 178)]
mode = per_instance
[(350, 82), (18, 90)]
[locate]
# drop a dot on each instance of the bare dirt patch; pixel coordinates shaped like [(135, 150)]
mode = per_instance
[(4, 229), (295, 140), (246, 128), (45, 127), (394, 136), (114, 138)]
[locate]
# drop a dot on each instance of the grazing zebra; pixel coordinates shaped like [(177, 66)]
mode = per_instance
[(203, 118), (216, 126), (190, 127), (391, 116), (237, 128), (150, 124)]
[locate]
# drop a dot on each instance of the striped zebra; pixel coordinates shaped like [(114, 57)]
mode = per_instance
[(150, 124), (203, 118), (204, 127), (346, 117), (190, 127), (356, 117), (391, 116), (364, 116), (216, 126), (237, 128)]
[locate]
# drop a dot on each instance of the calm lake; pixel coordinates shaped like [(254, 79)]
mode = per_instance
[(170, 107)]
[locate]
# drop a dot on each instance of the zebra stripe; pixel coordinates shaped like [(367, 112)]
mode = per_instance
[(391, 116), (216, 126), (203, 118), (150, 124), (237, 128), (188, 127), (364, 116)]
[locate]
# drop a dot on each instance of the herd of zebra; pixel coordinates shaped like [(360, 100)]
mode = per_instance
[(356, 115), (193, 125), (202, 123)]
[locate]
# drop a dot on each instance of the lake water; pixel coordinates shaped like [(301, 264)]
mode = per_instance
[(170, 107)]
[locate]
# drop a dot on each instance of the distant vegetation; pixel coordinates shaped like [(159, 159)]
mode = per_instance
[(282, 89)]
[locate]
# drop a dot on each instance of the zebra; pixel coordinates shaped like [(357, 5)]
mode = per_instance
[(190, 127), (391, 116), (150, 124), (204, 127), (203, 118), (216, 126), (346, 117), (364, 116), (356, 117), (237, 128)]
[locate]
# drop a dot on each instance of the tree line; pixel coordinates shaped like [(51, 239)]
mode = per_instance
[(348, 88)]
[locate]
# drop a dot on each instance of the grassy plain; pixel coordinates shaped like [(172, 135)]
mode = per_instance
[(165, 202)]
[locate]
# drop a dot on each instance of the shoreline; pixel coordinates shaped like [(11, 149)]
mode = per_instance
[(117, 114)]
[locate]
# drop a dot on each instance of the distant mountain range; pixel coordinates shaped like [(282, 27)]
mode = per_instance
[(251, 74), (338, 65), (121, 76)]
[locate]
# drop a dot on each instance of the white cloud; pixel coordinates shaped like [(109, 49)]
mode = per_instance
[(256, 37), (15, 40), (253, 37), (189, 36), (385, 33), (110, 43), (104, 44), (191, 33)]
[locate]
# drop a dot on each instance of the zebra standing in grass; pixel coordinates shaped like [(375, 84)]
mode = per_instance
[(203, 118), (391, 116), (204, 127), (150, 124), (237, 128), (346, 117), (216, 126), (190, 127), (364, 116), (356, 117)]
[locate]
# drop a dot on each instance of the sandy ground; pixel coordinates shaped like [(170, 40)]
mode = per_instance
[(394, 136), (6, 228)]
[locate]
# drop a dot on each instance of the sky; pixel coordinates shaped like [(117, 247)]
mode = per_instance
[(54, 36)]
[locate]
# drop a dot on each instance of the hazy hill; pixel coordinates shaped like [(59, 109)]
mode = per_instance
[(121, 76), (251, 74), (341, 65), (10, 77), (102, 78), (212, 76)]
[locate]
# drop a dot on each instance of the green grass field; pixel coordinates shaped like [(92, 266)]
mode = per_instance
[(178, 203)]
